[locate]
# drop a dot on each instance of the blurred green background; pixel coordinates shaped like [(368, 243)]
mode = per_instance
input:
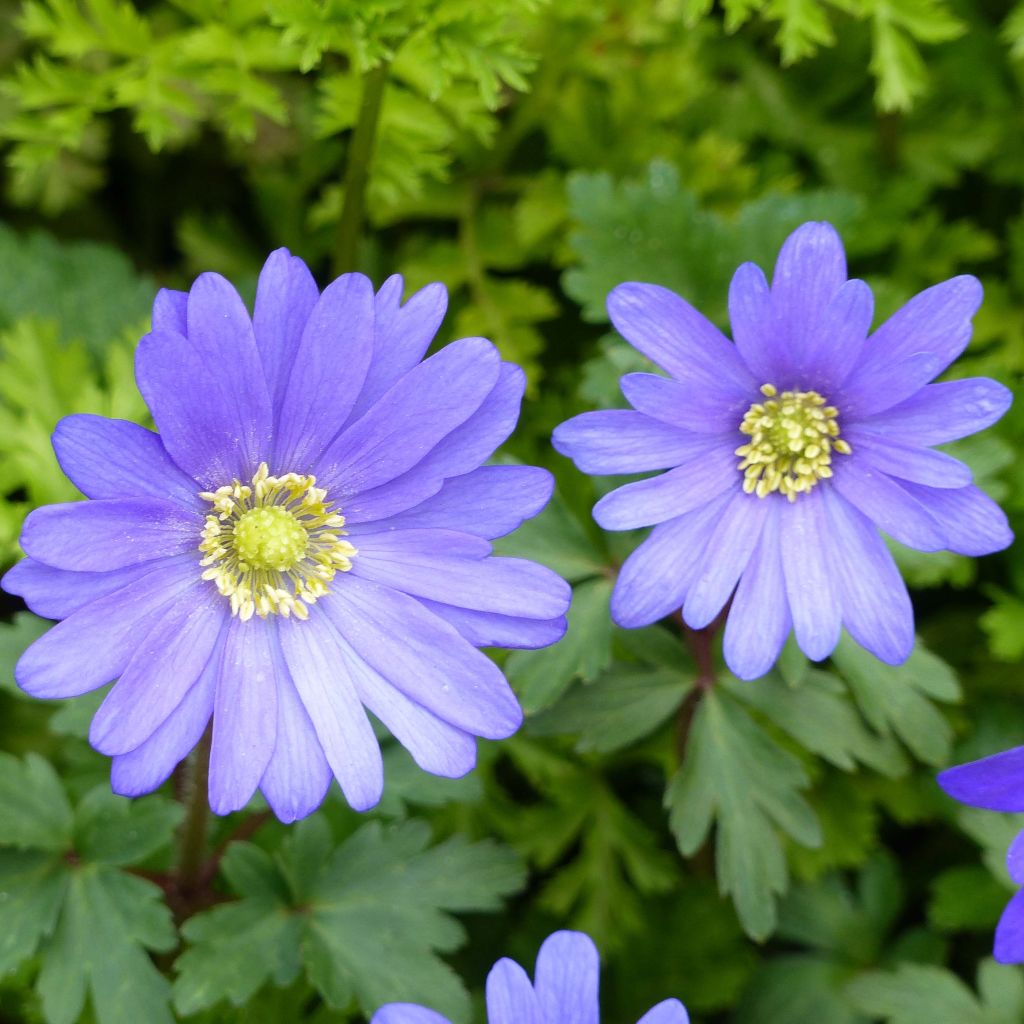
[(772, 852)]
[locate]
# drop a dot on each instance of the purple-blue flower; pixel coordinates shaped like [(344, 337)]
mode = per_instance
[(996, 783), (564, 991), (306, 539), (788, 449)]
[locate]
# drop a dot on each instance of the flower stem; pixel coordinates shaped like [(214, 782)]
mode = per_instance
[(700, 642), (192, 837), (357, 169)]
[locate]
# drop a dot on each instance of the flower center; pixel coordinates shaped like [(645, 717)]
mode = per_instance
[(792, 437), (273, 547)]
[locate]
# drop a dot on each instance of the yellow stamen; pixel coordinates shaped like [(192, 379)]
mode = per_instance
[(792, 437), (271, 548)]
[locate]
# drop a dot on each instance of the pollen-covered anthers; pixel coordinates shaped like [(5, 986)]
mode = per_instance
[(792, 437), (272, 547)]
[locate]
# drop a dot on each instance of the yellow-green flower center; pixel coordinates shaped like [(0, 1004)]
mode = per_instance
[(792, 438), (273, 546), (270, 538)]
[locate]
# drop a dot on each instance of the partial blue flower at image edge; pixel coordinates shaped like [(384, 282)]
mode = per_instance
[(996, 783), (564, 990)]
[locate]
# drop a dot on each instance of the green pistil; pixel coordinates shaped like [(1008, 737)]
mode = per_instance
[(792, 437), (270, 538)]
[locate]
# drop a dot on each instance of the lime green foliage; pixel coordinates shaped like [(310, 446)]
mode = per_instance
[(181, 67), (364, 920), (70, 316)]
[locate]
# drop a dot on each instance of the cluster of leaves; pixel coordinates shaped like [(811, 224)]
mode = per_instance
[(774, 851), (244, 69)]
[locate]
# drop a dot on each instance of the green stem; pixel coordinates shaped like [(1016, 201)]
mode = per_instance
[(357, 169), (192, 837)]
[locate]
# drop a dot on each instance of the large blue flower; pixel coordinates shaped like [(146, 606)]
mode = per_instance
[(789, 450), (307, 536), (996, 783), (564, 991)]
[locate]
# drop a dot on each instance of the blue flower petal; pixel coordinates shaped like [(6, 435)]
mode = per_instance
[(654, 580), (58, 593), (811, 587), (298, 775), (326, 373), (892, 506), (170, 311), (323, 667), (433, 665), (1009, 945), (723, 559), (207, 392), (566, 979), (436, 746), (671, 1011), (876, 606), (95, 644), (684, 406), (971, 522), (485, 629), (244, 715), (759, 619), (1015, 859), (754, 324), (99, 536), (810, 269), (937, 321), (835, 347), (910, 462), (285, 297), (623, 441), (510, 996), (150, 764), (938, 413), (166, 663), (995, 783), (409, 420), (107, 458), (669, 331), (402, 335), (407, 1013), (439, 565), (680, 490), (490, 502)]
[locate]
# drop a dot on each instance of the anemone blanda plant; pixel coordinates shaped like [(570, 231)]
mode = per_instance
[(788, 450), (564, 991), (305, 538), (996, 783)]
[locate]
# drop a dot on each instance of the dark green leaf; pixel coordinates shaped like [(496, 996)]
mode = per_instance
[(735, 775), (899, 699), (316, 908), (622, 706)]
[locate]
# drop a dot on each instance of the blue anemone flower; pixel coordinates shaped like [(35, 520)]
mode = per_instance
[(996, 783), (788, 449), (306, 538), (564, 991)]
